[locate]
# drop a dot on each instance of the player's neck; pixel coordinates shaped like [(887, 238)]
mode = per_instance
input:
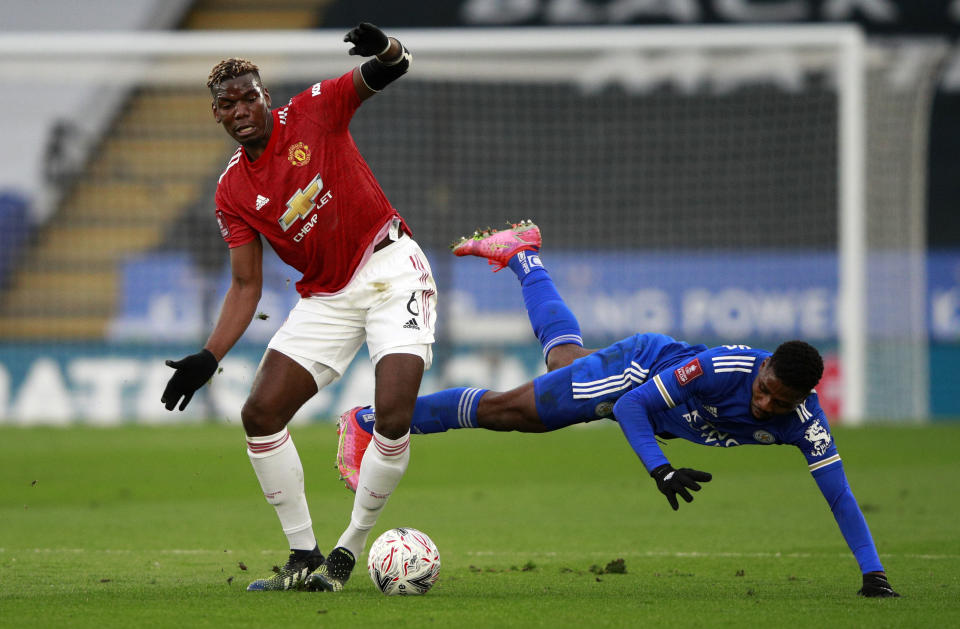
[(256, 148), (253, 152)]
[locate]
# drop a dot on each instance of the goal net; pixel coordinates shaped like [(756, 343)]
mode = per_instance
[(722, 185)]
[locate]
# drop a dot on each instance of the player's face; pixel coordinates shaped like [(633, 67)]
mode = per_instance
[(772, 397), (242, 106)]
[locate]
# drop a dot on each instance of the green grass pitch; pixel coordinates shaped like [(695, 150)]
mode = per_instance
[(165, 526)]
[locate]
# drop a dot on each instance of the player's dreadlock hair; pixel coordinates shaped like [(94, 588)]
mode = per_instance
[(230, 69), (798, 365)]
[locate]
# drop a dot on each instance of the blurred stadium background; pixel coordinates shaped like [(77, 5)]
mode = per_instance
[(684, 184)]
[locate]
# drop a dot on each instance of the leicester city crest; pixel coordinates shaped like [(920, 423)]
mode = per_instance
[(604, 409), (764, 437)]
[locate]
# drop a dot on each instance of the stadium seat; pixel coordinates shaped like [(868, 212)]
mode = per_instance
[(155, 162)]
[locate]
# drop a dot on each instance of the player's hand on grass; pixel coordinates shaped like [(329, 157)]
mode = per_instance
[(192, 372), (875, 585), (367, 40), (672, 482)]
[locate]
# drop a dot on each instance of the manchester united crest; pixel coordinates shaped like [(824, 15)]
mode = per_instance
[(299, 154)]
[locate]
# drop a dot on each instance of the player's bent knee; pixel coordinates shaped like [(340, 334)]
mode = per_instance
[(562, 355), (258, 421)]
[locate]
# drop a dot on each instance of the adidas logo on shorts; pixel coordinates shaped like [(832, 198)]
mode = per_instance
[(411, 325)]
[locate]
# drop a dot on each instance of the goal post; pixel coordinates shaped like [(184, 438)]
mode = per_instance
[(722, 184)]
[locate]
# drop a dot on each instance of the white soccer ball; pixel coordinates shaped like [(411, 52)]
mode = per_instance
[(403, 561)]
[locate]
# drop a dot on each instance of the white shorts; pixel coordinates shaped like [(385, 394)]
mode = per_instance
[(390, 303)]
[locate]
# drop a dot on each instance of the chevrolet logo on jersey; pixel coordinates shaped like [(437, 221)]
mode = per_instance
[(303, 202)]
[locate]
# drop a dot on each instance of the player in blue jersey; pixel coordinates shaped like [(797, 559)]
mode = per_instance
[(653, 386)]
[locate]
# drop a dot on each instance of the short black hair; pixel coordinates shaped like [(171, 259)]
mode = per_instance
[(230, 69), (798, 365)]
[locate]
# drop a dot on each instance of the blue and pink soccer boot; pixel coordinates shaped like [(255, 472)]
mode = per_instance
[(499, 246)]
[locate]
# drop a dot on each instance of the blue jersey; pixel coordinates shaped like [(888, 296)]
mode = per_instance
[(706, 399), (654, 386), (698, 394), (588, 388)]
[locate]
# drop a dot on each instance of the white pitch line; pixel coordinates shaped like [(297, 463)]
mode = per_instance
[(127, 551), (708, 554), (497, 553)]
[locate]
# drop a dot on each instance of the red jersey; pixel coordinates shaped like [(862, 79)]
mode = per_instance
[(310, 193)]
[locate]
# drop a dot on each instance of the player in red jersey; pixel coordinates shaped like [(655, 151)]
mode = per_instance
[(298, 181)]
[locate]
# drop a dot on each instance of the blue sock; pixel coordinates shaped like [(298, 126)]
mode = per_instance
[(552, 321), (438, 412), (365, 419)]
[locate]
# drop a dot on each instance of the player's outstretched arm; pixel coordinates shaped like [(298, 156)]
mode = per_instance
[(391, 59), (195, 370), (631, 412), (875, 585), (832, 482)]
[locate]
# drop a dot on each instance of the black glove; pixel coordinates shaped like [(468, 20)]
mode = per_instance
[(875, 585), (367, 40), (671, 482), (192, 372)]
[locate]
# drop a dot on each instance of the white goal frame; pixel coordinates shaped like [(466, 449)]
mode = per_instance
[(24, 53)]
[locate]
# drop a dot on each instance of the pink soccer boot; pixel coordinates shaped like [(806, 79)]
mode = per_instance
[(499, 246), (352, 443)]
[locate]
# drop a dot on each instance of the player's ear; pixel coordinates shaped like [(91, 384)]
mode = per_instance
[(266, 97), (216, 114)]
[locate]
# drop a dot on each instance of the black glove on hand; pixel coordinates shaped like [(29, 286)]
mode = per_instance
[(192, 372), (671, 482), (367, 40), (875, 585)]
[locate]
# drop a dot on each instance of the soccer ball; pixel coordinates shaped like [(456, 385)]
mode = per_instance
[(403, 561)]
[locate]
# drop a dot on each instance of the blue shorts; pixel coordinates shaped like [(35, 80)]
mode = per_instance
[(587, 389)]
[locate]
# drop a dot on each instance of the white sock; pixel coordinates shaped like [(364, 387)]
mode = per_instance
[(383, 466), (277, 465)]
